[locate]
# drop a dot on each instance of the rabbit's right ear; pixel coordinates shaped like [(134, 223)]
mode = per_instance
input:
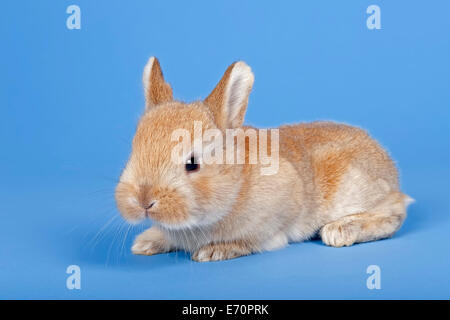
[(228, 101), (155, 88)]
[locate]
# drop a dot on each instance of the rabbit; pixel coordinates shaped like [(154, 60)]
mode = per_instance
[(333, 180)]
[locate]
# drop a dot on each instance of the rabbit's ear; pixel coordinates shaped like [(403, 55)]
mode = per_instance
[(155, 88), (228, 101)]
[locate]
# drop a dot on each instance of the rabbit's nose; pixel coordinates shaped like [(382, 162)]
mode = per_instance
[(151, 204), (145, 197)]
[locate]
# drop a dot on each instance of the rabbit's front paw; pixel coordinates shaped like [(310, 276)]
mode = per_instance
[(220, 251), (339, 234), (150, 242)]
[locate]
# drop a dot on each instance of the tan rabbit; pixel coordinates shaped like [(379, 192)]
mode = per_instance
[(333, 179)]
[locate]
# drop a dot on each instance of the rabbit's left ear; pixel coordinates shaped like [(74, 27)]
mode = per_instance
[(228, 101), (156, 90)]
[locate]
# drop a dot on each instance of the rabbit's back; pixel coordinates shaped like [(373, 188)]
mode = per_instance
[(343, 162)]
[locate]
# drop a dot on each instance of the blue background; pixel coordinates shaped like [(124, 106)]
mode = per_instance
[(70, 101)]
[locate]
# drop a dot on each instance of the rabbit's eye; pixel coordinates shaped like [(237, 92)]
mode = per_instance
[(192, 165)]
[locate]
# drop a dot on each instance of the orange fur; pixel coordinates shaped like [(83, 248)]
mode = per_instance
[(158, 91)]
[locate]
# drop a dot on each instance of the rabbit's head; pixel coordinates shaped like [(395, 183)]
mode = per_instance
[(182, 192)]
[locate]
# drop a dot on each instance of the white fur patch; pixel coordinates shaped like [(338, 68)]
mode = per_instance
[(408, 200), (133, 201), (146, 74), (238, 89), (277, 242)]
